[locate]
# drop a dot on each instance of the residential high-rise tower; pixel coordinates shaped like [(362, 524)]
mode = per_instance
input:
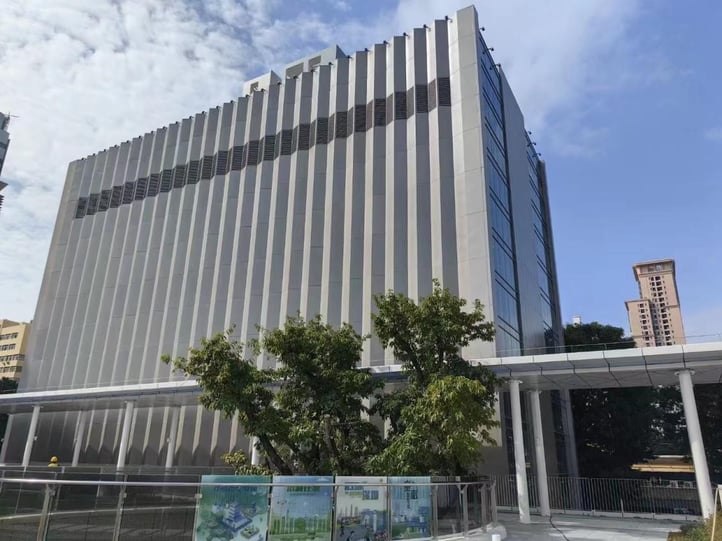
[(4, 142), (655, 319), (4, 138), (340, 178)]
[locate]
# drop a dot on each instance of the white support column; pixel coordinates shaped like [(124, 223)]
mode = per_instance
[(79, 438), (125, 433), (6, 438), (701, 473), (541, 462), (522, 489), (255, 452), (172, 437), (31, 436)]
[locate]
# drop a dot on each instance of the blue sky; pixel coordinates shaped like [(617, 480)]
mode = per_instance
[(622, 97), (651, 187)]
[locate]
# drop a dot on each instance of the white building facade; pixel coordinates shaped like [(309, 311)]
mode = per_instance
[(344, 177)]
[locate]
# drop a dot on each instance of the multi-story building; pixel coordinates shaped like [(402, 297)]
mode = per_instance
[(13, 345), (655, 319), (4, 138), (2, 197), (344, 177), (4, 142)]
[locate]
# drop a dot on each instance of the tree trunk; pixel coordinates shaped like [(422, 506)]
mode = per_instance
[(273, 456), (330, 445)]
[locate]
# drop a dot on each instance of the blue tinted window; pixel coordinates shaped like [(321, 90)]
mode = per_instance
[(494, 127), (500, 222), (505, 305), (506, 344), (493, 104), (543, 280), (540, 249), (497, 184), (503, 263), (546, 312), (496, 153), (538, 221), (491, 75)]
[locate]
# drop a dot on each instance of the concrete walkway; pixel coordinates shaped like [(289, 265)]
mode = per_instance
[(583, 528)]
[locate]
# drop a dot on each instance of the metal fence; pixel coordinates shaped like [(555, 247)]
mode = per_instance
[(600, 496), (45, 505)]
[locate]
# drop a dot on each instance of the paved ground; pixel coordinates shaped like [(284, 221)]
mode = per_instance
[(583, 528)]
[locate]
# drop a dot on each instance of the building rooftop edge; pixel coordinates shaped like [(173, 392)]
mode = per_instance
[(271, 75), (653, 261)]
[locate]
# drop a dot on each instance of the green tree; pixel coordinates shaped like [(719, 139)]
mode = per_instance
[(306, 412), (673, 425), (442, 417), (239, 462), (595, 336), (709, 407), (443, 430), (614, 428)]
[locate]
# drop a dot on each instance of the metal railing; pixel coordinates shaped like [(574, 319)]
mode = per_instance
[(195, 472), (602, 346), (600, 496), (115, 507)]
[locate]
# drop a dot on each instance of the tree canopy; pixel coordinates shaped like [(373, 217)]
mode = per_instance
[(673, 426), (593, 336), (311, 412), (614, 428), (440, 420), (305, 412)]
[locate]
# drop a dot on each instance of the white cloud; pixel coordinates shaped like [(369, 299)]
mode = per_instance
[(554, 53), (87, 74), (714, 134)]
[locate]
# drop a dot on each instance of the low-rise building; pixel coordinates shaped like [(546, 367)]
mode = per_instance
[(13, 343)]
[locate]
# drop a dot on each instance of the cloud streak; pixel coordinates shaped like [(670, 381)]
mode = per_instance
[(713, 134), (86, 75)]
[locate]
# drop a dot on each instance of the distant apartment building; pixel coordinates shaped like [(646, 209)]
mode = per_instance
[(4, 142), (655, 319), (13, 343), (4, 138), (2, 186)]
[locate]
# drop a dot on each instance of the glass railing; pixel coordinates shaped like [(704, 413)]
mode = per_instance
[(74, 505)]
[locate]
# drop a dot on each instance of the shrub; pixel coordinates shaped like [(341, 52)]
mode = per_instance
[(698, 532)]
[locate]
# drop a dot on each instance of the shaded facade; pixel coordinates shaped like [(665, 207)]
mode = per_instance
[(345, 177)]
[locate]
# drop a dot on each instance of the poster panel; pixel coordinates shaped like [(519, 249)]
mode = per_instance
[(232, 513), (302, 512), (361, 509), (410, 507)]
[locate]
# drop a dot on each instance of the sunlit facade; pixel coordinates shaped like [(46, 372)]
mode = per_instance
[(340, 178)]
